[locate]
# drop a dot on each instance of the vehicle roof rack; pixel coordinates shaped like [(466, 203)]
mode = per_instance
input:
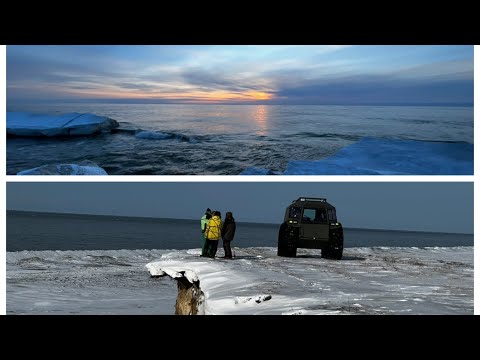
[(310, 199)]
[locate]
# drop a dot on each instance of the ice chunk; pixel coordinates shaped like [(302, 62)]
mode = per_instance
[(385, 157), (158, 135), (371, 156), (71, 124), (85, 168)]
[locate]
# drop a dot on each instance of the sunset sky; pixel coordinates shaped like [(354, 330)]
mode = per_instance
[(294, 74)]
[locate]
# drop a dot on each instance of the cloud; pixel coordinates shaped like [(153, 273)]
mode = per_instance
[(287, 74), (137, 86), (445, 70), (378, 90), (222, 81)]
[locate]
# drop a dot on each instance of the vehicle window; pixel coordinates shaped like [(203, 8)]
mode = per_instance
[(295, 212), (331, 215), (314, 216)]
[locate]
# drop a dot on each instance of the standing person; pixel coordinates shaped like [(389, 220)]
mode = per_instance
[(214, 233), (228, 233), (203, 224)]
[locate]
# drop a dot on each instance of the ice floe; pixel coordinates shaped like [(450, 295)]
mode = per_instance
[(71, 124)]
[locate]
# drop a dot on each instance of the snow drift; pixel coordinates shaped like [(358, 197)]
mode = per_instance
[(378, 280)]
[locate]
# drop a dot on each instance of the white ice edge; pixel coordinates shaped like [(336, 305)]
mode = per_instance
[(368, 280)]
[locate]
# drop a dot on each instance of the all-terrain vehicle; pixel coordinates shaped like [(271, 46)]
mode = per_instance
[(311, 223)]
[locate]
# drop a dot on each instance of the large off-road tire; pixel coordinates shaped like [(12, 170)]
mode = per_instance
[(337, 253), (287, 237), (334, 251)]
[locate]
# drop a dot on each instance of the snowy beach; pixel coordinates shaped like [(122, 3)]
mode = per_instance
[(376, 280), (86, 282), (367, 281)]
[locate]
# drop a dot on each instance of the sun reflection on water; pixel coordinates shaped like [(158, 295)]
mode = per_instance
[(260, 116)]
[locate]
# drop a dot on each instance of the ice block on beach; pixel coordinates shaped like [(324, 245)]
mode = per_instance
[(71, 124)]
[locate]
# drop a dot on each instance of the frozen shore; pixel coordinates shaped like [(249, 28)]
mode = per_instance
[(377, 280)]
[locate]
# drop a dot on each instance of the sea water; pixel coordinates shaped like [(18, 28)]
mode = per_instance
[(174, 139)]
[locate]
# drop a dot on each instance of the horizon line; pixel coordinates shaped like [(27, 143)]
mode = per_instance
[(160, 102)]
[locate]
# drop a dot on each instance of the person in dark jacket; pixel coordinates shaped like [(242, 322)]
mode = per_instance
[(228, 233)]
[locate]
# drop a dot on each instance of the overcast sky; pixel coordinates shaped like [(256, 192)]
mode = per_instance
[(438, 207), (290, 74)]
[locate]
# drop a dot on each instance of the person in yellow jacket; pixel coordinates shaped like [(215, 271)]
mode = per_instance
[(213, 233)]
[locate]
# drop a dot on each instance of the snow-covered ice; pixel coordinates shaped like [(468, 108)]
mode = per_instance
[(84, 168), (87, 282), (71, 124), (372, 156), (378, 280)]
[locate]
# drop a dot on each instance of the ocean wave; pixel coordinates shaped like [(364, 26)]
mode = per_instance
[(325, 135), (130, 129), (125, 131), (418, 121), (158, 135)]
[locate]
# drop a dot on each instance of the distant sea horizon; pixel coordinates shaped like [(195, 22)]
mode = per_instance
[(150, 218), (263, 103), (18, 104)]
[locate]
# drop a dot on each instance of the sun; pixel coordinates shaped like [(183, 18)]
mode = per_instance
[(259, 95)]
